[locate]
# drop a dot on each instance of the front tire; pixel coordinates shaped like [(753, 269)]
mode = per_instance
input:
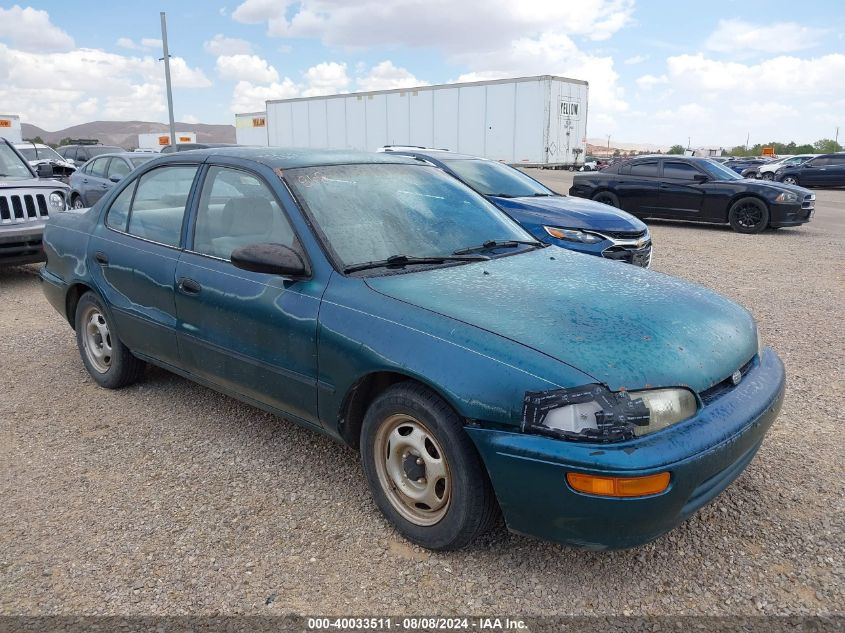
[(748, 215), (767, 175), (607, 197), (423, 470), (76, 202), (106, 358)]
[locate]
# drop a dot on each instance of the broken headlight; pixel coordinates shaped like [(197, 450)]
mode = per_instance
[(594, 413)]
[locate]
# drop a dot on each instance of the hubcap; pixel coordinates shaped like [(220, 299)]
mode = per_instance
[(412, 470), (749, 216), (96, 339), (789, 180), (77, 203)]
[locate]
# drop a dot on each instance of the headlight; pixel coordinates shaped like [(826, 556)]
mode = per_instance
[(594, 413), (57, 201), (787, 196), (572, 235)]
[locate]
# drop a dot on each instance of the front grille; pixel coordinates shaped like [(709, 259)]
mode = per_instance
[(721, 388), (637, 256), (624, 235), (17, 208)]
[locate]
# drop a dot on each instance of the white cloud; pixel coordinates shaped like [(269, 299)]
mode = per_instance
[(636, 59), (782, 37), (325, 79), (222, 45), (125, 42), (29, 29), (249, 68), (385, 76), (151, 42), (146, 43), (451, 26), (56, 90), (247, 97), (647, 82), (189, 118)]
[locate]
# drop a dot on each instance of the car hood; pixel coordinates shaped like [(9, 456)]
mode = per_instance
[(569, 212), (774, 187), (31, 183), (627, 327)]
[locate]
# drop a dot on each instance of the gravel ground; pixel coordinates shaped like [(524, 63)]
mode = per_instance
[(167, 498)]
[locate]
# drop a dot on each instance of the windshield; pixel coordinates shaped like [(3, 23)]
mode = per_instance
[(39, 153), (495, 179), (718, 171), (371, 212), (11, 165)]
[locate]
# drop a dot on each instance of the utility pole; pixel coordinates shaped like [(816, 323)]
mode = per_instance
[(167, 78), (836, 140), (747, 138)]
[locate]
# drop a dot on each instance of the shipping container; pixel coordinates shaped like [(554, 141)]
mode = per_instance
[(527, 120), (158, 140), (251, 128), (10, 127)]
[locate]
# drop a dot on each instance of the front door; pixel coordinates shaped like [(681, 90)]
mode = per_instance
[(133, 259), (680, 195), (251, 333)]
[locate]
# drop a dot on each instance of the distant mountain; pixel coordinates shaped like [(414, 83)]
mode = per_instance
[(125, 133)]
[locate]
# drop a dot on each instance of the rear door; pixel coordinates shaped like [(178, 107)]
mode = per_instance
[(251, 333), (638, 186), (814, 172), (680, 195), (133, 255), (834, 172), (95, 182)]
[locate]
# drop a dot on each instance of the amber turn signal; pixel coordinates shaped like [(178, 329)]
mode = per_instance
[(618, 486)]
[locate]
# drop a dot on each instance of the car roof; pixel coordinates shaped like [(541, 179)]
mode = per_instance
[(290, 158), (25, 144), (123, 155), (437, 154)]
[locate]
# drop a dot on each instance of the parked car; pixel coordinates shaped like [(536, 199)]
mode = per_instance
[(591, 163), (184, 147), (28, 196), (579, 225), (697, 189), (767, 171), (826, 170), (746, 167), (96, 177), (380, 301), (79, 154), (38, 154)]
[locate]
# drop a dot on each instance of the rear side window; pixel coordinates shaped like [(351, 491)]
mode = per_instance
[(679, 171), (819, 162), (119, 211), (159, 204), (647, 169), (237, 209), (836, 160)]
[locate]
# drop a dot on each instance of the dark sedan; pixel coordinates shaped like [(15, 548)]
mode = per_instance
[(827, 170), (696, 189), (94, 179), (577, 225)]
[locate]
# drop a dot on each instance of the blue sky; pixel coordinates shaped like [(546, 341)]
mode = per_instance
[(659, 71)]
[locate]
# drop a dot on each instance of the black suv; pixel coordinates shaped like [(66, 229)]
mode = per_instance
[(827, 170), (79, 154)]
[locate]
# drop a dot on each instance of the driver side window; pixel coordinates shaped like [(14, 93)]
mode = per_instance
[(237, 209)]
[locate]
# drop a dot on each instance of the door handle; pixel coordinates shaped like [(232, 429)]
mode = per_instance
[(189, 286), (85, 180), (101, 258)]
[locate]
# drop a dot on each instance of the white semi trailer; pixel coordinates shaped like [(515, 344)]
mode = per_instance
[(251, 128), (528, 120), (10, 128)]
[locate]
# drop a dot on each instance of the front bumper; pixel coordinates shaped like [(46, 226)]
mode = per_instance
[(793, 214), (703, 455), (21, 244)]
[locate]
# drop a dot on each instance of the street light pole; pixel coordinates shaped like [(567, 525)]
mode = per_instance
[(167, 78)]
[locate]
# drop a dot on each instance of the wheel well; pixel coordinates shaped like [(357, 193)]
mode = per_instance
[(358, 399), (74, 293), (740, 196)]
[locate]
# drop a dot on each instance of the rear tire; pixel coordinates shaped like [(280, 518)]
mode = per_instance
[(607, 197), (767, 175), (790, 180), (109, 361), (76, 202), (423, 470), (748, 215)]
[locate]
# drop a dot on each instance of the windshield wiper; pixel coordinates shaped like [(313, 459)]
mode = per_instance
[(499, 195), (400, 261), (543, 195), (495, 244)]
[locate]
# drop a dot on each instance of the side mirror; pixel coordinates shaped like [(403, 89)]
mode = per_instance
[(44, 170), (272, 259), (115, 178), (700, 178)]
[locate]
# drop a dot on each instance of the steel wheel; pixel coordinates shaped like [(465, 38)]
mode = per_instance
[(767, 175), (412, 470), (96, 339), (790, 180), (77, 203)]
